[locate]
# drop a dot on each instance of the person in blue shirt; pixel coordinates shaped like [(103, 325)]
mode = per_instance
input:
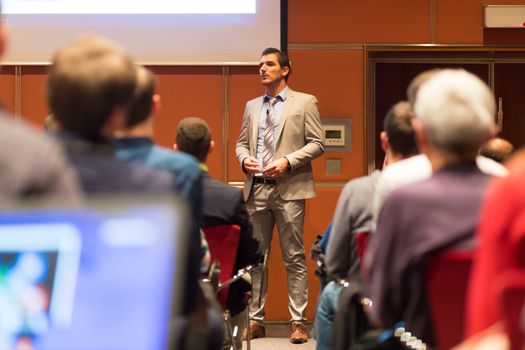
[(134, 144)]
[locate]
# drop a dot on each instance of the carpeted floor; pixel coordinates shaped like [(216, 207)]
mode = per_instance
[(278, 338)]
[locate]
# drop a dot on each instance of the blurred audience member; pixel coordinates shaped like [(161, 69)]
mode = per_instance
[(418, 167), (134, 142), (31, 164), (90, 82), (90, 86), (501, 234), (134, 145), (353, 214), (497, 149), (454, 116), (223, 205)]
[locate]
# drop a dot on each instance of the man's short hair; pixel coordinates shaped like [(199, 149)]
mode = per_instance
[(193, 136), (282, 58), (398, 127), (456, 110), (87, 80), (497, 149), (139, 108)]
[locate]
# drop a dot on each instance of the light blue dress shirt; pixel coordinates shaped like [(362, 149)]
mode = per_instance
[(278, 110)]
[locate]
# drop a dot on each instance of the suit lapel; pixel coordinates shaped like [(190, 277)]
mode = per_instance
[(256, 113), (287, 105)]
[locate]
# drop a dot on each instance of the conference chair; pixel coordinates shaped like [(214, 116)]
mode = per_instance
[(510, 290), (223, 241), (447, 276), (361, 240)]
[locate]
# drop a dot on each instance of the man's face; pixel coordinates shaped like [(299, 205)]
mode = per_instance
[(270, 71)]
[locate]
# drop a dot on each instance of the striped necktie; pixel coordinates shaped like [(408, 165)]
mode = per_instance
[(269, 149)]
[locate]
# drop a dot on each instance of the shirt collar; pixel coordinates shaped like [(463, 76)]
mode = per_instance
[(203, 167), (281, 95)]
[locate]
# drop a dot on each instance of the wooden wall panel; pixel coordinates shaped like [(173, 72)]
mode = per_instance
[(7, 88), (34, 106), (373, 21), (319, 212), (335, 77), (191, 91), (461, 22), (244, 84)]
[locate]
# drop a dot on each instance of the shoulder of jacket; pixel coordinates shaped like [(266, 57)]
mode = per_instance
[(255, 100), (304, 95)]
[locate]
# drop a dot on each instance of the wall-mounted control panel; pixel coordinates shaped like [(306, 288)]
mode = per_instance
[(334, 135), (337, 134)]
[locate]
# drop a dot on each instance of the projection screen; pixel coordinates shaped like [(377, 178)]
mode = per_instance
[(155, 32)]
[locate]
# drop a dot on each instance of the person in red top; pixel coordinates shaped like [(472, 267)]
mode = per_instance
[(501, 235)]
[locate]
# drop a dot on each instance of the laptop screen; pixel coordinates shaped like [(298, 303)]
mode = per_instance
[(107, 276)]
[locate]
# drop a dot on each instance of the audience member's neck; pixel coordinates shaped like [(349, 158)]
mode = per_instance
[(440, 160), (393, 157), (144, 129)]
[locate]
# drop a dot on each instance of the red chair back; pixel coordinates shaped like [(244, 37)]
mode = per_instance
[(361, 240), (223, 241), (510, 289), (447, 276)]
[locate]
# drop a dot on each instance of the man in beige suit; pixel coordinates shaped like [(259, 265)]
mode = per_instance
[(280, 135)]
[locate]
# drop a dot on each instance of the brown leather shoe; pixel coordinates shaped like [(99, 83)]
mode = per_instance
[(298, 334), (256, 331)]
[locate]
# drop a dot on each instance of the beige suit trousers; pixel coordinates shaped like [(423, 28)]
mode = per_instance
[(267, 208)]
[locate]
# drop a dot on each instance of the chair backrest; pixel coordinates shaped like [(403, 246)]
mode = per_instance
[(223, 241), (510, 290), (361, 241), (447, 276)]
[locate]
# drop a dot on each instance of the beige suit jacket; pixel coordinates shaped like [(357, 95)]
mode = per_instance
[(300, 139)]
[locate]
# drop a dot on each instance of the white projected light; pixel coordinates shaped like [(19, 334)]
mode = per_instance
[(154, 32), (129, 7)]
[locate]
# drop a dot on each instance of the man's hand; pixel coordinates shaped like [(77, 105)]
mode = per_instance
[(276, 168), (251, 165)]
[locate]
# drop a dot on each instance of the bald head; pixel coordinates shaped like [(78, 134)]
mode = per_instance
[(497, 149)]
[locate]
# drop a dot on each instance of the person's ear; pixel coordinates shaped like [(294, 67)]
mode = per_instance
[(155, 103), (212, 146), (419, 132), (285, 71), (385, 145), (116, 120), (175, 147)]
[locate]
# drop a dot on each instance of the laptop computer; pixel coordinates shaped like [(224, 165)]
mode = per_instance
[(108, 275)]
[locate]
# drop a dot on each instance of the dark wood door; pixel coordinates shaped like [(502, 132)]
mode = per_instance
[(508, 77), (390, 82)]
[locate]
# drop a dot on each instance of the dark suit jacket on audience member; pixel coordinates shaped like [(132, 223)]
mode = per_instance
[(187, 182), (224, 204), (101, 173)]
